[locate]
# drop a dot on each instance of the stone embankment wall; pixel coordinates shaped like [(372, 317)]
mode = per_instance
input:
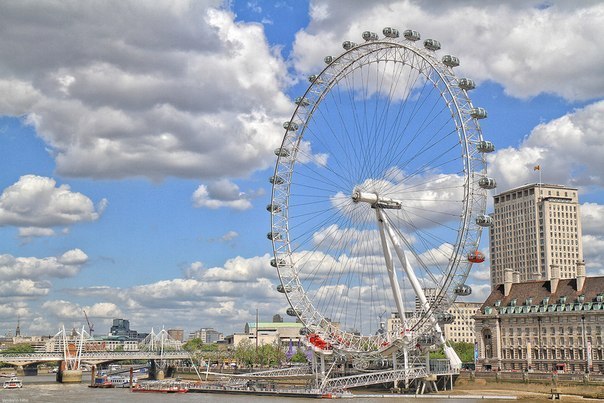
[(586, 385)]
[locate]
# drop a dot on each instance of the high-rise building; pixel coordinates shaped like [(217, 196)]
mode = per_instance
[(536, 227)]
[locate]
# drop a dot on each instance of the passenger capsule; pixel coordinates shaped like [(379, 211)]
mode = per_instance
[(315, 79), (450, 61), (476, 257), (485, 147), (283, 289), (276, 180), (431, 44), (466, 84), (445, 318), (390, 32), (463, 290), (487, 183), (292, 312), (282, 152), (478, 113), (291, 126), (274, 236), (277, 262), (484, 220), (273, 208), (302, 101), (347, 45), (411, 35), (304, 331), (328, 59), (370, 36)]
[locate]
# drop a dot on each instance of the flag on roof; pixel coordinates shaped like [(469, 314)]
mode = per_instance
[(537, 168)]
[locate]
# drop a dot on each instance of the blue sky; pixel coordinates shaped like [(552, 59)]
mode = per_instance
[(134, 154)]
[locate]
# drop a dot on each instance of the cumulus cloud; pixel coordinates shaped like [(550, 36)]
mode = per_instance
[(36, 203), (224, 193), (67, 310), (24, 288), (568, 150), (592, 222), (67, 265), (162, 89), (524, 54), (592, 218)]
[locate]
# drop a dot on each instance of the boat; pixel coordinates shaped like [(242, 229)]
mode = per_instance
[(13, 383), (121, 381), (160, 387), (101, 382)]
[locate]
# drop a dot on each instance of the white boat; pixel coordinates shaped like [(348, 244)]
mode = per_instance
[(13, 383), (121, 381)]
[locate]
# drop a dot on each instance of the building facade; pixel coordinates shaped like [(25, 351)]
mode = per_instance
[(281, 333), (207, 335), (543, 325), (462, 328), (534, 228)]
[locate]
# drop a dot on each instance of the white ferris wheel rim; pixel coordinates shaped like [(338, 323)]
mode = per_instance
[(293, 158)]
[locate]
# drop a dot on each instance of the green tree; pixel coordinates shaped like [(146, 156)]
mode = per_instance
[(245, 353), (299, 357), (19, 348), (465, 351), (193, 345)]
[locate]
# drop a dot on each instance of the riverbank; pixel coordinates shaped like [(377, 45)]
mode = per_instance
[(526, 392)]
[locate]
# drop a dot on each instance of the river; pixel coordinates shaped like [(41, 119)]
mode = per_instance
[(43, 388)]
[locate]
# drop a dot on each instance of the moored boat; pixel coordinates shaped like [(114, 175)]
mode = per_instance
[(160, 387), (13, 383)]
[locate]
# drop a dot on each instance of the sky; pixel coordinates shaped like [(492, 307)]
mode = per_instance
[(137, 138)]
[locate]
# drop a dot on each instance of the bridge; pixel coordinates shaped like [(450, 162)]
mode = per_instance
[(93, 358), (71, 351)]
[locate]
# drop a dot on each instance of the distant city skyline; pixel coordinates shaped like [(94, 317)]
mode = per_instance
[(136, 142)]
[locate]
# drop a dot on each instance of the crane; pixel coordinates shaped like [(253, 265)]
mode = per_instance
[(90, 325)]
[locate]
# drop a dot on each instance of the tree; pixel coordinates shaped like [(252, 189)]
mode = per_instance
[(193, 345), (465, 351), (299, 357), (245, 353), (19, 348)]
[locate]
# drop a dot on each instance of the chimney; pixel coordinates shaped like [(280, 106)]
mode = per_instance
[(554, 278), (516, 277), (580, 275), (507, 281)]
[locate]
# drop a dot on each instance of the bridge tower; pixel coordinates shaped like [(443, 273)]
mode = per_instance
[(69, 368)]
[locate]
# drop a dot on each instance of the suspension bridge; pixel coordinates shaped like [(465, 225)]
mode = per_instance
[(73, 350)]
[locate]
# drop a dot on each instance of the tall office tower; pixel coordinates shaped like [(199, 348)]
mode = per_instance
[(536, 228)]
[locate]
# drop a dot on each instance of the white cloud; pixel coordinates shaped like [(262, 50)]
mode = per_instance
[(229, 236), (524, 54), (36, 203), (67, 265), (23, 288), (593, 252), (163, 89), (592, 219), (223, 193), (63, 310), (568, 150)]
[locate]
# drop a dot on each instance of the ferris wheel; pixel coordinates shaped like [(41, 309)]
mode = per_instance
[(379, 195)]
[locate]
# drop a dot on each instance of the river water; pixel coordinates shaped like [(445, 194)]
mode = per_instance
[(43, 388)]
